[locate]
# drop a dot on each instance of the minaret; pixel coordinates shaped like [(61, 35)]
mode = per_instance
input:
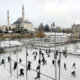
[(8, 18), (23, 15)]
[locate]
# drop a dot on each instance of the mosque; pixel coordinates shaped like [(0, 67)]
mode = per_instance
[(23, 23)]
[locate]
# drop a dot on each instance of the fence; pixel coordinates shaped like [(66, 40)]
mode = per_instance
[(9, 65)]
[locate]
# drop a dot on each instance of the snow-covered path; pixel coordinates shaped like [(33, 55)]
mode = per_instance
[(5, 75), (48, 69)]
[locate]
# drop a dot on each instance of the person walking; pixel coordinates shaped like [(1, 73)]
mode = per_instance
[(15, 65), (9, 59), (65, 66), (29, 65), (21, 72), (59, 62), (43, 60), (73, 73), (3, 61), (20, 60), (38, 75), (53, 62), (74, 65), (35, 57), (38, 67)]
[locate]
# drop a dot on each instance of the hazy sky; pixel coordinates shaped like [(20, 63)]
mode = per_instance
[(63, 12)]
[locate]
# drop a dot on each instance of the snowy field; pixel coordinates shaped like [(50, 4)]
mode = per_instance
[(47, 70)]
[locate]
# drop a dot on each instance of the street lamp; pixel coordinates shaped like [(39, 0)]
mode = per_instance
[(26, 62), (55, 57), (10, 58)]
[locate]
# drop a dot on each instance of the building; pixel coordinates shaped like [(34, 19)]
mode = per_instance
[(10, 46), (3, 28), (19, 23), (27, 24), (76, 30)]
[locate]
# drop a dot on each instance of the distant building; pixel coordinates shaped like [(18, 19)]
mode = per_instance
[(19, 23), (76, 30), (22, 23), (3, 28), (53, 26), (27, 24)]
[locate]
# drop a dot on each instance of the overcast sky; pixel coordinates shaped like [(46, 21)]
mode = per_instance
[(63, 12)]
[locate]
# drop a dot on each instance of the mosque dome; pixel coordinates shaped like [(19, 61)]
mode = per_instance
[(20, 20)]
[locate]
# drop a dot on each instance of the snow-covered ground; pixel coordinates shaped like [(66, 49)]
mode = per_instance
[(47, 69)]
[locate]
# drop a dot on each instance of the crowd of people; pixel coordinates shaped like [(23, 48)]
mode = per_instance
[(41, 61)]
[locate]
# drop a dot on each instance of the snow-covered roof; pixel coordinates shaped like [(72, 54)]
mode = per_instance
[(10, 43), (57, 34), (53, 33)]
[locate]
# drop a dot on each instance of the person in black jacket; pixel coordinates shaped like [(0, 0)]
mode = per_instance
[(53, 62), (38, 75), (65, 66), (74, 65), (21, 72), (15, 65), (59, 62), (2, 61), (20, 60), (9, 59), (38, 67), (29, 65)]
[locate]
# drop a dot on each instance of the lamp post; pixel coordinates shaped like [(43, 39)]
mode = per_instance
[(39, 61), (26, 62), (60, 65), (74, 40), (10, 58), (55, 57), (0, 52), (60, 57), (17, 59)]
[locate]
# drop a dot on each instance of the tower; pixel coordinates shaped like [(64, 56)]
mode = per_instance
[(8, 18), (23, 15), (53, 26)]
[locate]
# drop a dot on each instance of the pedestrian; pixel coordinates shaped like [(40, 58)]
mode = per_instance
[(65, 55), (65, 66), (36, 53), (53, 62), (38, 67), (55, 56), (56, 52), (2, 61), (48, 55), (35, 57), (33, 53), (20, 60), (29, 65), (74, 65), (38, 75), (21, 72), (73, 73), (46, 51), (49, 50), (43, 60), (39, 61), (42, 55), (40, 51), (59, 62), (27, 54), (9, 59), (15, 65)]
